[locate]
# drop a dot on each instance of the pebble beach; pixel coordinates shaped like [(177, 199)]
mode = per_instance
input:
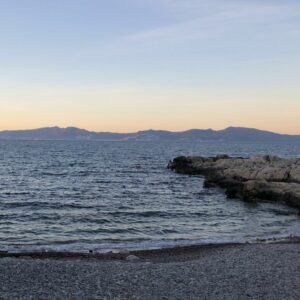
[(249, 271)]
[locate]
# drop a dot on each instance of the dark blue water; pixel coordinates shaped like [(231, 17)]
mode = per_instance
[(101, 195)]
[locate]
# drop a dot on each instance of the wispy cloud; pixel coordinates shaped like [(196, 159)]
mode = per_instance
[(216, 17), (199, 20)]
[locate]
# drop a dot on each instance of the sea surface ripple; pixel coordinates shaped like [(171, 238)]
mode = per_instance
[(79, 195)]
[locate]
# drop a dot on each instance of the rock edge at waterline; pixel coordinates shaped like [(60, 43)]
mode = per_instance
[(250, 179)]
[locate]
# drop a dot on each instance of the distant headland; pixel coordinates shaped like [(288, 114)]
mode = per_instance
[(229, 134)]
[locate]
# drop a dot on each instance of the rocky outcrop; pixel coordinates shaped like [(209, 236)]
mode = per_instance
[(251, 179)]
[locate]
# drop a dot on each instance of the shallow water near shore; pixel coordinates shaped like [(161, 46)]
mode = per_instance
[(77, 196)]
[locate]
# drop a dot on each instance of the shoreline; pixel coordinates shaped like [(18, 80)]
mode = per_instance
[(145, 254)]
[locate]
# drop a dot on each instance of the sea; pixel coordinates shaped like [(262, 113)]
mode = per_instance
[(79, 196)]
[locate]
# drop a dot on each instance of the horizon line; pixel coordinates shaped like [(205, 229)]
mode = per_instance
[(144, 130)]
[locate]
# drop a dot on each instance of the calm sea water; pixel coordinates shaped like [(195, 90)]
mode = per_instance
[(77, 196)]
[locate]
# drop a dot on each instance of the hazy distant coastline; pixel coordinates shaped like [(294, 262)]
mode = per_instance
[(73, 133)]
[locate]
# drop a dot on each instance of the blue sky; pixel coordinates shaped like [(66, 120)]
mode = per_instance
[(137, 64)]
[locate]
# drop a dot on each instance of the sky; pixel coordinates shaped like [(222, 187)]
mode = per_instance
[(128, 65)]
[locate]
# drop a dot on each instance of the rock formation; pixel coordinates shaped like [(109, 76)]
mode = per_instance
[(251, 179)]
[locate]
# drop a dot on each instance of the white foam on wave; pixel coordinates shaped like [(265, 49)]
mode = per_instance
[(115, 247), (291, 231), (80, 247)]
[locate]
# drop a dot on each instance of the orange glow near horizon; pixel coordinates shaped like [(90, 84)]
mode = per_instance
[(134, 110), (133, 123)]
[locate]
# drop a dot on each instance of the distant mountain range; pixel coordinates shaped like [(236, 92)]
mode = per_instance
[(73, 133)]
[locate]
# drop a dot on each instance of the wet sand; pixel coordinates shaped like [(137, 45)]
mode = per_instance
[(249, 271)]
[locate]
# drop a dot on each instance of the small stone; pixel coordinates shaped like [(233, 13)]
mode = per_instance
[(132, 258)]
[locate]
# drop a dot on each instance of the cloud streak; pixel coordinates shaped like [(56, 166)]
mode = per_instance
[(225, 16), (201, 20)]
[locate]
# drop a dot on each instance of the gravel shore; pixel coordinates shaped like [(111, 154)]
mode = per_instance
[(251, 271)]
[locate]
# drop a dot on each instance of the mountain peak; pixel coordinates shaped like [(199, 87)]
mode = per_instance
[(231, 134)]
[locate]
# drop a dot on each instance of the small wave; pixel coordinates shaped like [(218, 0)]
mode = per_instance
[(21, 204), (46, 205), (14, 193), (293, 230), (279, 212), (156, 213), (114, 245), (54, 174)]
